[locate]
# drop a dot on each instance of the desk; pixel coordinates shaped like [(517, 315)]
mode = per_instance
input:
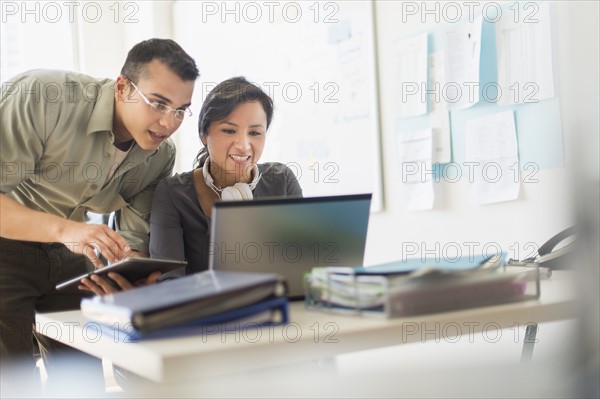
[(310, 335)]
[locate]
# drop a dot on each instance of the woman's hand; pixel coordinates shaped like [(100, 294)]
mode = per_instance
[(102, 286)]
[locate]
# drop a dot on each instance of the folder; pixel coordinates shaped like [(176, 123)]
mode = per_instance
[(421, 266), (393, 291), (184, 299), (270, 312)]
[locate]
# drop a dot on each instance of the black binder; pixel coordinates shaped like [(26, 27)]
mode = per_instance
[(182, 300)]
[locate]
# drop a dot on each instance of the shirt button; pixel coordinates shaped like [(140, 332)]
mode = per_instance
[(106, 155), (94, 186)]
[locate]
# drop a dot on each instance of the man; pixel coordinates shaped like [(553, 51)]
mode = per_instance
[(71, 144)]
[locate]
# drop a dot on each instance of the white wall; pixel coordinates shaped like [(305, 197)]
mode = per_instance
[(104, 43), (543, 208), (579, 47)]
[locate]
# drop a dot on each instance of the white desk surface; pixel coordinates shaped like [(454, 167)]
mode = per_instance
[(309, 335)]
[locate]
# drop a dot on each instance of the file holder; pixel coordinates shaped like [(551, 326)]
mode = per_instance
[(388, 296)]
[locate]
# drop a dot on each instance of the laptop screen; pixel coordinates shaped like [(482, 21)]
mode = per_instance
[(289, 236)]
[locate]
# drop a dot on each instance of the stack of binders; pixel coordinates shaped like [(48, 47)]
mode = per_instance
[(414, 286), (199, 303)]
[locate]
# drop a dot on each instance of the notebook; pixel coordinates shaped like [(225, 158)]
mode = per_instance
[(289, 236)]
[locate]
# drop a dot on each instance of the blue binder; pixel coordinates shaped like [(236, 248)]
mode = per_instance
[(273, 311)]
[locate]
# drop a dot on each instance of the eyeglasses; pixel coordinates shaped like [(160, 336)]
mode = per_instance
[(161, 108)]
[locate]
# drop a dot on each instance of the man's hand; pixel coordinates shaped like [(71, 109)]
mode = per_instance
[(84, 239), (101, 286), (17, 222)]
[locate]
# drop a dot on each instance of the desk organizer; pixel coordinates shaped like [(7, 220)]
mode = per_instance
[(387, 296)]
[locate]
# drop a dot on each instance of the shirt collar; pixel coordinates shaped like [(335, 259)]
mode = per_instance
[(101, 119), (102, 116)]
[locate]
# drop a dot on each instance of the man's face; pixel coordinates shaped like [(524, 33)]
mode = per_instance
[(136, 119)]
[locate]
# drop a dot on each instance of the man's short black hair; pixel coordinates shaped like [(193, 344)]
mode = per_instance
[(166, 51)]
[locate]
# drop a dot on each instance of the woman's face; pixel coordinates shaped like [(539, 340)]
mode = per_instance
[(236, 143)]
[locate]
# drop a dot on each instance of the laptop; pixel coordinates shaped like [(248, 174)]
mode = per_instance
[(289, 236)]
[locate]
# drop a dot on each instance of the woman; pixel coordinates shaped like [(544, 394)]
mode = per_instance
[(233, 124)]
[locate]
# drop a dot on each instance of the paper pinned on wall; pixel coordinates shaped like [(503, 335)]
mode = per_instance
[(414, 153), (438, 110), (412, 76), (493, 155), (524, 53), (463, 56)]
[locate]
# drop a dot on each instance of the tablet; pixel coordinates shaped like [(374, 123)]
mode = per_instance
[(132, 269)]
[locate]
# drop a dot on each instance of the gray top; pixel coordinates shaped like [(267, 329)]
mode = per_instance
[(180, 230)]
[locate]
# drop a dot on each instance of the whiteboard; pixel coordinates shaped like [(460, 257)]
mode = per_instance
[(317, 61)]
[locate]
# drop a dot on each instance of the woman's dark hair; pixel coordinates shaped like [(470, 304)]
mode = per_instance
[(222, 100), (166, 51)]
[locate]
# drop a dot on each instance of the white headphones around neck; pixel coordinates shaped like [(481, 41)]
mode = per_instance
[(239, 191)]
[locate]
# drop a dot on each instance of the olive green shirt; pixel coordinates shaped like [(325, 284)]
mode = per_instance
[(56, 147)]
